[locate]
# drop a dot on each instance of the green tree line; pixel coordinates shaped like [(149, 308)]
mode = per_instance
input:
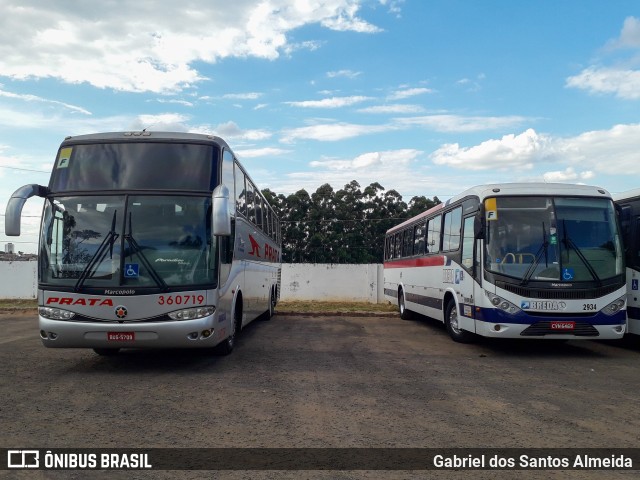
[(343, 226)]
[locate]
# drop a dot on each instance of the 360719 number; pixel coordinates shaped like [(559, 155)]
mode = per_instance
[(180, 299)]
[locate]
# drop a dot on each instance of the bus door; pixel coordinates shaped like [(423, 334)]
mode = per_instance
[(467, 287)]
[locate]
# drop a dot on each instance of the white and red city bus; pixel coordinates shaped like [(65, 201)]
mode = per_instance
[(629, 204), (151, 239), (513, 261)]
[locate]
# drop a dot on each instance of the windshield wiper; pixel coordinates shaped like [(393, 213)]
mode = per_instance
[(571, 244), (100, 254), (543, 249), (135, 248)]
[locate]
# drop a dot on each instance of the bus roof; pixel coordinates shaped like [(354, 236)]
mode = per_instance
[(509, 189), (513, 189), (142, 136)]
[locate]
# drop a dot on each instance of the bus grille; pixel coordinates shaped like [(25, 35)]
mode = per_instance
[(544, 328), (557, 293)]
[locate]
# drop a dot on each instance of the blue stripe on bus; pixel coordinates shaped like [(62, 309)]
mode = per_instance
[(495, 315)]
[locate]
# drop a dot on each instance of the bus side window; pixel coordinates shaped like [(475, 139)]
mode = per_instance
[(451, 230), (251, 210), (418, 235), (433, 235), (227, 179), (257, 202), (467, 243), (407, 247), (241, 192)]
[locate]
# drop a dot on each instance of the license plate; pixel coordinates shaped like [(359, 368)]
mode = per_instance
[(563, 325), (121, 336)]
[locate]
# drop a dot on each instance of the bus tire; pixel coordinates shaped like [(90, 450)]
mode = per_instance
[(228, 344), (404, 313), (106, 352), (272, 304), (451, 322)]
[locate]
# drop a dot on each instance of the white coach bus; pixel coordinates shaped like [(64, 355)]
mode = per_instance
[(151, 239), (629, 203), (513, 261)]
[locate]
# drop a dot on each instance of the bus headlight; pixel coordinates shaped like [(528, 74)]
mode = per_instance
[(192, 313), (503, 304), (56, 313), (615, 306)]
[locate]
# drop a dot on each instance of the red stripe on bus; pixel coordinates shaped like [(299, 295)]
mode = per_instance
[(436, 261)]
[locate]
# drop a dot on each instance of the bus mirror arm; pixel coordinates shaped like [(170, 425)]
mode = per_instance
[(221, 219), (13, 212)]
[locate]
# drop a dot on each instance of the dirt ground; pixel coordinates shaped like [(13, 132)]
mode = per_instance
[(322, 382)]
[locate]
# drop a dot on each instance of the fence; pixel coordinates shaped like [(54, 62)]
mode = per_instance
[(300, 281)]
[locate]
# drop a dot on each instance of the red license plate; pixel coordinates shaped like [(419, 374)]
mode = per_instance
[(121, 336), (563, 325)]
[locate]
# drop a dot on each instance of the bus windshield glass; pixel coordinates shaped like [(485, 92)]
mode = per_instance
[(560, 239), (127, 241), (139, 166)]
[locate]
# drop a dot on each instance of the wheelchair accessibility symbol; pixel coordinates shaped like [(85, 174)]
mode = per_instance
[(131, 270), (567, 274)]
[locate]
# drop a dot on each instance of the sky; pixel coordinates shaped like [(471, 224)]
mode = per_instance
[(427, 97)]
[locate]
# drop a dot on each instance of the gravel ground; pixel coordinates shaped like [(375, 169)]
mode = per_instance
[(322, 382)]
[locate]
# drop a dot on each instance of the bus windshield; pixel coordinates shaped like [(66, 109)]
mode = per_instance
[(127, 241), (139, 166), (557, 239)]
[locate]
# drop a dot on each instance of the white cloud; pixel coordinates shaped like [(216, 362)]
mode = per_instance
[(408, 92), (369, 160), (231, 130), (347, 20), (629, 36), (605, 152), (243, 96), (334, 102), (621, 79), (332, 132), (393, 109), (569, 174), (343, 74), (511, 151), (170, 122), (458, 123), (405, 170), (154, 45), (175, 101), (34, 98), (260, 152), (622, 83)]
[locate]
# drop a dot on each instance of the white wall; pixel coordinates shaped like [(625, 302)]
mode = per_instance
[(332, 282), (18, 279), (300, 281)]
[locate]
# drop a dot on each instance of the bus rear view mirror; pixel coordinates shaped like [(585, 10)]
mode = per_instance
[(13, 212), (221, 217)]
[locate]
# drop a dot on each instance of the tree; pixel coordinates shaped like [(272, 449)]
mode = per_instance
[(344, 226)]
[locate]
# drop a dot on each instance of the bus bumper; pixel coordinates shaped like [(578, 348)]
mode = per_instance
[(198, 333), (542, 330)]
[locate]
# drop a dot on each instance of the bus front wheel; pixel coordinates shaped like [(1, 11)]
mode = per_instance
[(404, 313), (453, 327), (228, 344)]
